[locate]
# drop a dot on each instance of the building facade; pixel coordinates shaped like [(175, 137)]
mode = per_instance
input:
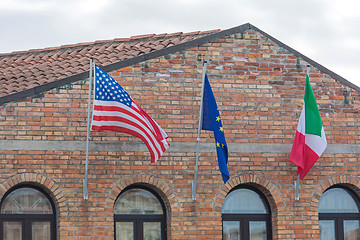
[(258, 83)]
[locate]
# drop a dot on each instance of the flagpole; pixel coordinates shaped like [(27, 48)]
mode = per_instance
[(297, 182), (193, 186), (85, 181)]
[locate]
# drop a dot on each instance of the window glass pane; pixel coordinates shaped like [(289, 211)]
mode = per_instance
[(231, 230), (257, 230), (12, 230), (152, 231), (351, 229), (137, 201), (41, 230), (337, 200), (26, 201), (327, 230), (243, 201), (124, 231)]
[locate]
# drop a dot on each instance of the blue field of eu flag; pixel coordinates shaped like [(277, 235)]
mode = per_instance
[(211, 121)]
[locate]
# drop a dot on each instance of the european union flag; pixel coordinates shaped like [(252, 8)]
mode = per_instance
[(211, 121)]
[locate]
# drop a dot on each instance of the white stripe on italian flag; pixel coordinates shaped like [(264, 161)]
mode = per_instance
[(310, 141)]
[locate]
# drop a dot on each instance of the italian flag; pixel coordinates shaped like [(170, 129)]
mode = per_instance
[(310, 141)]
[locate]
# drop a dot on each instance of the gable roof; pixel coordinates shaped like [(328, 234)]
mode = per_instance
[(24, 74), (27, 73)]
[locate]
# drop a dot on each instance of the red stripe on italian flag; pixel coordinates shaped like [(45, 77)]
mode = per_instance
[(310, 140)]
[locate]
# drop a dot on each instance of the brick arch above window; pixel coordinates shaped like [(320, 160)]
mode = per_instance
[(349, 181), (269, 189), (160, 186), (39, 180)]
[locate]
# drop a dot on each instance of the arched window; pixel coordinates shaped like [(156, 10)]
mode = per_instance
[(246, 215), (139, 214), (339, 216), (27, 213)]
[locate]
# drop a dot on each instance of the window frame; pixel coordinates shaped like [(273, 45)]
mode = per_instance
[(139, 219), (27, 219), (245, 218), (339, 218)]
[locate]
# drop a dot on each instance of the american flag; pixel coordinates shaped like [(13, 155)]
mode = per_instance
[(115, 110)]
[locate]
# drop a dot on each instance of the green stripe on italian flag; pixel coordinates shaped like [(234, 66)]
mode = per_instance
[(310, 141)]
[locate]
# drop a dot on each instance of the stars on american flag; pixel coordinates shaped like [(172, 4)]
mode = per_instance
[(107, 89)]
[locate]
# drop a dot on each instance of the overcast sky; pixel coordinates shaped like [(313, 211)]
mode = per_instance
[(327, 31)]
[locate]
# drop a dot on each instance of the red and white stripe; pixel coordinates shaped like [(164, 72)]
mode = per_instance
[(115, 116)]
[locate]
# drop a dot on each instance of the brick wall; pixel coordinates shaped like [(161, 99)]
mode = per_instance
[(259, 89)]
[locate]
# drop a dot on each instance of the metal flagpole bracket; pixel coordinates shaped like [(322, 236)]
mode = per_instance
[(203, 58)]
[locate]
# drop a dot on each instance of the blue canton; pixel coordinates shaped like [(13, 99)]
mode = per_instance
[(107, 89)]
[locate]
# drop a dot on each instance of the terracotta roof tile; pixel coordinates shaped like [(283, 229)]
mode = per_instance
[(212, 31), (191, 33), (23, 70), (142, 36), (121, 39), (120, 47)]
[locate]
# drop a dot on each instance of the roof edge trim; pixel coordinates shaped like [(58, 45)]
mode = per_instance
[(43, 88)]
